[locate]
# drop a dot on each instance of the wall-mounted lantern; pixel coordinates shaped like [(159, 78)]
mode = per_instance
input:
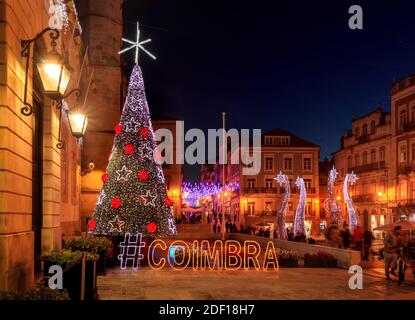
[(55, 75)]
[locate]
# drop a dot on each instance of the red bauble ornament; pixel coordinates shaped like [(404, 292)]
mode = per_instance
[(104, 177), (152, 227), (118, 129), (92, 224), (129, 149), (168, 202), (144, 132), (142, 175), (116, 203)]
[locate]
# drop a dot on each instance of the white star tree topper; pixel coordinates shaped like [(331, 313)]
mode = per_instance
[(137, 45)]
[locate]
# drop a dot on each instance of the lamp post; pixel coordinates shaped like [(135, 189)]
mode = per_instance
[(54, 75)]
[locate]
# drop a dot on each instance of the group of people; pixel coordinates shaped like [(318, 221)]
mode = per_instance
[(343, 238), (393, 255), (229, 227)]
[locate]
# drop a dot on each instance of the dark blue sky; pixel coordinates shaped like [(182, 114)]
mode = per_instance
[(289, 64)]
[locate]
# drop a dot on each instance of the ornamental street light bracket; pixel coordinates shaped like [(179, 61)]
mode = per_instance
[(54, 74), (27, 109)]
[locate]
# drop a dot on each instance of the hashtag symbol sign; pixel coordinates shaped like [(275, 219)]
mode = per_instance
[(130, 250)]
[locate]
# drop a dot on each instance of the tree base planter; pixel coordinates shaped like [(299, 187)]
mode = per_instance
[(288, 263)]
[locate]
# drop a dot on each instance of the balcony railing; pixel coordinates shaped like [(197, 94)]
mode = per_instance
[(364, 138), (277, 190), (364, 198), (405, 168), (369, 167), (409, 126)]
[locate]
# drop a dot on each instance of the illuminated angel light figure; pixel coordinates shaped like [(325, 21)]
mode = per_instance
[(282, 180), (330, 204), (137, 45), (299, 220), (351, 179)]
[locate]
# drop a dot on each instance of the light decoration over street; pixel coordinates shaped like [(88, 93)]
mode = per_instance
[(350, 179), (137, 45), (192, 193), (330, 204), (282, 180), (299, 220)]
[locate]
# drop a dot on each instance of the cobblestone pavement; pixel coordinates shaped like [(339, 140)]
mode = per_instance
[(289, 283)]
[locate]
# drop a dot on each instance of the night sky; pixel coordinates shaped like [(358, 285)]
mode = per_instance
[(289, 64)]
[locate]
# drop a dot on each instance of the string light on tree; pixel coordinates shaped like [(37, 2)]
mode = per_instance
[(282, 180), (350, 179), (299, 220), (134, 181), (330, 204)]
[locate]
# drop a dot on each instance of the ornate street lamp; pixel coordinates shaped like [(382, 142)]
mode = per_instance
[(78, 122), (54, 74)]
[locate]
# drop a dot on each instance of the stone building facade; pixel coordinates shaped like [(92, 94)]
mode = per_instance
[(173, 173), (102, 21), (402, 172), (40, 184), (380, 149), (259, 196), (367, 151)]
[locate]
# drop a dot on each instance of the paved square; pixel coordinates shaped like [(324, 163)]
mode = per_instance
[(296, 283)]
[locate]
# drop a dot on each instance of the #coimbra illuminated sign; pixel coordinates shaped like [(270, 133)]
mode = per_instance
[(199, 255)]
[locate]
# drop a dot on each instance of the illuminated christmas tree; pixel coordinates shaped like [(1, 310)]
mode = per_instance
[(133, 196)]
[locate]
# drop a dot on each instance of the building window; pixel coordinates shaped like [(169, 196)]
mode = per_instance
[(251, 183), (285, 141), (402, 154), (268, 207), (308, 209), (251, 208), (364, 158), (307, 184), (382, 154), (268, 141), (364, 130), (349, 163), (288, 164), (402, 119), (373, 156), (356, 160), (269, 164), (372, 127), (268, 183), (290, 206), (307, 164)]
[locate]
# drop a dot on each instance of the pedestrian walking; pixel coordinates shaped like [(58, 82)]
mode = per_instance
[(391, 243)]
